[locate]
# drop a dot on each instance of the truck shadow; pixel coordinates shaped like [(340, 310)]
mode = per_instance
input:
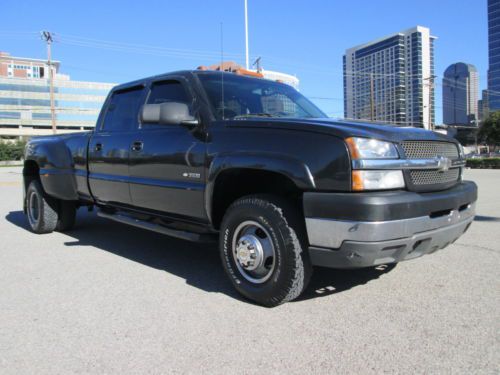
[(198, 264), (326, 281)]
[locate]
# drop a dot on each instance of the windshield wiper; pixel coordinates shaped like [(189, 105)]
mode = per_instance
[(246, 115)]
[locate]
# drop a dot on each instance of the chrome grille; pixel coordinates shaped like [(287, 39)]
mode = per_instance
[(429, 149), (432, 177)]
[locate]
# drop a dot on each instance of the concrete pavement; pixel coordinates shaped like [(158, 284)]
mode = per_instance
[(108, 298)]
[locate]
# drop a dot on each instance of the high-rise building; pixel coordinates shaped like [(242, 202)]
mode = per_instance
[(25, 98), (484, 106), (460, 94), (494, 54), (391, 79)]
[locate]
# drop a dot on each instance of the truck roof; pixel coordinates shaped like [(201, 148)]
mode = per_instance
[(174, 73), (145, 80)]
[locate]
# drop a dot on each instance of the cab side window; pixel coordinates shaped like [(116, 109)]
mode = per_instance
[(123, 109), (168, 91)]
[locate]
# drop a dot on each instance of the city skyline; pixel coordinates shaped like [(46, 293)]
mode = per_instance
[(113, 53), (389, 79)]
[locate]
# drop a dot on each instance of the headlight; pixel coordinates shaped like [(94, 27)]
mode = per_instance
[(377, 180), (366, 148)]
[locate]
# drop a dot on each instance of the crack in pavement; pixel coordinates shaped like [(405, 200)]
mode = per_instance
[(478, 247)]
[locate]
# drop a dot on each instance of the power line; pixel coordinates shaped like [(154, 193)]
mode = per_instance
[(199, 54)]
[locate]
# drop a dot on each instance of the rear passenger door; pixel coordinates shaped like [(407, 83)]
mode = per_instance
[(167, 170), (109, 148)]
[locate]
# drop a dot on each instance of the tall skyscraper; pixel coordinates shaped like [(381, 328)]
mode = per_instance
[(460, 94), (494, 55), (392, 79)]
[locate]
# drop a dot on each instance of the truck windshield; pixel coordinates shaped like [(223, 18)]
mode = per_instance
[(242, 97)]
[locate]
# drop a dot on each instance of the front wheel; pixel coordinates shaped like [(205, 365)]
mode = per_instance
[(263, 252)]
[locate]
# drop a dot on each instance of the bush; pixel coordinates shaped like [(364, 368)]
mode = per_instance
[(490, 130), (484, 163), (12, 151)]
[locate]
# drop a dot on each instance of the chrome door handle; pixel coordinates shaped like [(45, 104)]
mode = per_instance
[(98, 147)]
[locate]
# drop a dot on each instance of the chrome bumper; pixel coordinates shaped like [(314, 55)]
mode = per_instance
[(353, 244)]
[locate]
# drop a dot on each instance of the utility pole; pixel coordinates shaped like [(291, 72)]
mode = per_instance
[(431, 87), (47, 36), (247, 64), (257, 64), (372, 98)]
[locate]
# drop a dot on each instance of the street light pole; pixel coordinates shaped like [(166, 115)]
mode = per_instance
[(247, 63)]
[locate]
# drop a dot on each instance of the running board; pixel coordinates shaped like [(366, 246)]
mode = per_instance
[(189, 236)]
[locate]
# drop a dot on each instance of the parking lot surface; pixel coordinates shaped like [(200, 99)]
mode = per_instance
[(109, 298)]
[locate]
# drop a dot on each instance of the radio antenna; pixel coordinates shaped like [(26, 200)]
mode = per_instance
[(222, 67)]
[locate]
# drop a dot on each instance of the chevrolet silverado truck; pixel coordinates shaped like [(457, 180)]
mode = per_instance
[(207, 155)]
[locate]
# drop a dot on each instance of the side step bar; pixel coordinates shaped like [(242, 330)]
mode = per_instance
[(189, 236)]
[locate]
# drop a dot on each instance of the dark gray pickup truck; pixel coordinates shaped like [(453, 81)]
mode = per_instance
[(202, 155)]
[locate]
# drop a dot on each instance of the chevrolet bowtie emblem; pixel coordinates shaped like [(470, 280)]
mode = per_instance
[(443, 163)]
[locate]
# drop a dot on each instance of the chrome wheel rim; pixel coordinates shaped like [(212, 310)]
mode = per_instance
[(253, 252), (33, 209)]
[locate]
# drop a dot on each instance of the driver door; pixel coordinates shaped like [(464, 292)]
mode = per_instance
[(167, 172)]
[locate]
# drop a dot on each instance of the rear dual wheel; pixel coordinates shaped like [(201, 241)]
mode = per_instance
[(263, 249), (46, 214)]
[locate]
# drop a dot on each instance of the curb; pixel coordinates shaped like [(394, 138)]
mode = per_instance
[(11, 162)]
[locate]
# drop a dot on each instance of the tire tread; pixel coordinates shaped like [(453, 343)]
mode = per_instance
[(49, 217), (288, 221)]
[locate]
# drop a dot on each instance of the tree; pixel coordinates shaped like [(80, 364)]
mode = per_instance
[(490, 130), (11, 151)]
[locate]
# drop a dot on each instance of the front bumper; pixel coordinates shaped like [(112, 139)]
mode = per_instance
[(353, 230)]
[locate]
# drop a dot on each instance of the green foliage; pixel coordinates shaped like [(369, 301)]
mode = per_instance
[(11, 151), (490, 130), (484, 163)]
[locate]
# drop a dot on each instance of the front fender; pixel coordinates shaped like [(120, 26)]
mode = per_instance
[(295, 170), (55, 165)]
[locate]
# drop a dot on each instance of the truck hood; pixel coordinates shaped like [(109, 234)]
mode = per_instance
[(344, 129)]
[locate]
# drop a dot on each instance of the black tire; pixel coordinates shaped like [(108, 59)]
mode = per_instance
[(291, 267), (67, 216), (41, 209)]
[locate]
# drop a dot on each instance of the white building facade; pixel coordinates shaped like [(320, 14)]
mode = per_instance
[(25, 99), (391, 79)]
